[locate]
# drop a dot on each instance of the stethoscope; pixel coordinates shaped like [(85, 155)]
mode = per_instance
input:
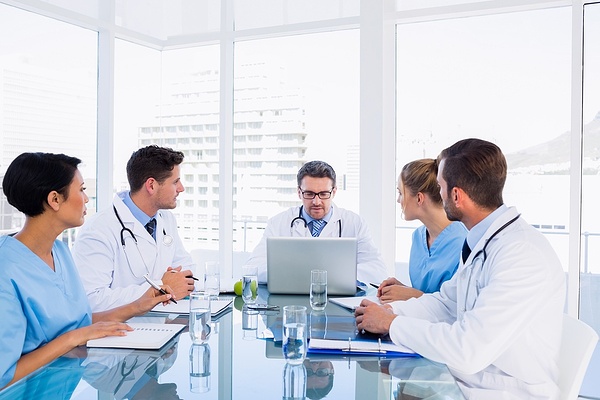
[(483, 251), (301, 218), (167, 241), (125, 375)]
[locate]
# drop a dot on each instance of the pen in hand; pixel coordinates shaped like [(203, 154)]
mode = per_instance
[(374, 285), (189, 276), (155, 286)]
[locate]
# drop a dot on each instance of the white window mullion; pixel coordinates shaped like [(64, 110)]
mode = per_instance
[(576, 160)]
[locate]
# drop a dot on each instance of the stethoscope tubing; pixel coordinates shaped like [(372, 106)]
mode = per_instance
[(301, 218), (483, 251), (167, 239)]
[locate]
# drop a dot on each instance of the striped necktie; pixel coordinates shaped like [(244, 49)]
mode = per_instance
[(317, 225), (151, 226)]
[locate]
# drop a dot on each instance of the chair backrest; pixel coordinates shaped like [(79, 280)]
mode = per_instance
[(578, 343)]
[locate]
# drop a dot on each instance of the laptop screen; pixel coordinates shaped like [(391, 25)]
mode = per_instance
[(290, 260)]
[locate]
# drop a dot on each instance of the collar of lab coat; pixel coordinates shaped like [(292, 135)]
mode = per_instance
[(508, 214), (331, 226), (132, 222)]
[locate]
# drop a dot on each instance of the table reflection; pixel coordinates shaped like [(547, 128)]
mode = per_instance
[(319, 378), (237, 362), (131, 374)]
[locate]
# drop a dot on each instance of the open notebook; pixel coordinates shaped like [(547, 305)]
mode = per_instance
[(352, 303), (217, 307), (143, 336)]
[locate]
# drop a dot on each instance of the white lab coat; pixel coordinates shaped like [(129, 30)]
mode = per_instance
[(113, 276), (370, 265), (498, 330)]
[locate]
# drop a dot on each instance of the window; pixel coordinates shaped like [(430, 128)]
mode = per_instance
[(152, 84), (590, 221), (48, 96), (452, 87), (318, 99)]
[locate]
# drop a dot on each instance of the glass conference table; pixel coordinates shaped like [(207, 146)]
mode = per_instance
[(237, 362)]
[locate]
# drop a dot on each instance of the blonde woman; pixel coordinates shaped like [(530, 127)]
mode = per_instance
[(436, 245)]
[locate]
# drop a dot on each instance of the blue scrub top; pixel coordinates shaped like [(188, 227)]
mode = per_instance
[(430, 267), (36, 304)]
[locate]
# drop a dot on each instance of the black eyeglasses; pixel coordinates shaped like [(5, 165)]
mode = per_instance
[(312, 195), (321, 372)]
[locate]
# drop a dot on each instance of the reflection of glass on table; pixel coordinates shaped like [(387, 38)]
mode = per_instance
[(249, 324), (199, 368)]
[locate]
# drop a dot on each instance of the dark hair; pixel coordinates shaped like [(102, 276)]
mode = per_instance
[(479, 168), (318, 393), (421, 176), (151, 162), (316, 169), (31, 176)]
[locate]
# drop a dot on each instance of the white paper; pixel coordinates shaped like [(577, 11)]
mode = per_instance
[(183, 307), (352, 303), (143, 336)]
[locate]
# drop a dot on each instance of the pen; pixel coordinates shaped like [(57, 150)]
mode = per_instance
[(374, 285), (190, 276), (155, 286)]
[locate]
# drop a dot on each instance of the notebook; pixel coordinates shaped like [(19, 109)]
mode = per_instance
[(217, 307), (290, 260), (143, 336), (352, 303)]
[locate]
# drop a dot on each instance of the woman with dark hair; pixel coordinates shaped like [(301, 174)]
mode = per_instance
[(436, 245), (43, 307)]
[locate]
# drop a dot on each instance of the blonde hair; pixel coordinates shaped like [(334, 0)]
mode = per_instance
[(421, 176)]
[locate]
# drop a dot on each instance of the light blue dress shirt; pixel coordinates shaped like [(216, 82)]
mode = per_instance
[(430, 267), (310, 219), (36, 304), (137, 213), (477, 232)]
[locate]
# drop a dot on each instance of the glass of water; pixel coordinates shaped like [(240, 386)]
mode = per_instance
[(294, 382), (318, 289), (199, 368), (199, 317), (294, 334), (249, 284), (212, 278)]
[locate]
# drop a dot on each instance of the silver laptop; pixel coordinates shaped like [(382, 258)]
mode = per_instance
[(290, 260)]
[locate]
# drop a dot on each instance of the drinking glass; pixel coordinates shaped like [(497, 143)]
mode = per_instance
[(294, 334), (211, 278), (317, 324), (199, 368), (318, 289), (249, 284), (199, 317), (294, 382), (249, 324)]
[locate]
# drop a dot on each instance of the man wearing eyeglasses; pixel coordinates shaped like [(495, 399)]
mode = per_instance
[(319, 378), (318, 216)]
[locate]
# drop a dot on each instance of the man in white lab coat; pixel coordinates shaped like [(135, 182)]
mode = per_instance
[(319, 217), (497, 322), (136, 235)]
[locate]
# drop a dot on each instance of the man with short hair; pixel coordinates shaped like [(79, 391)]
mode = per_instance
[(136, 235), (497, 322), (319, 217)]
